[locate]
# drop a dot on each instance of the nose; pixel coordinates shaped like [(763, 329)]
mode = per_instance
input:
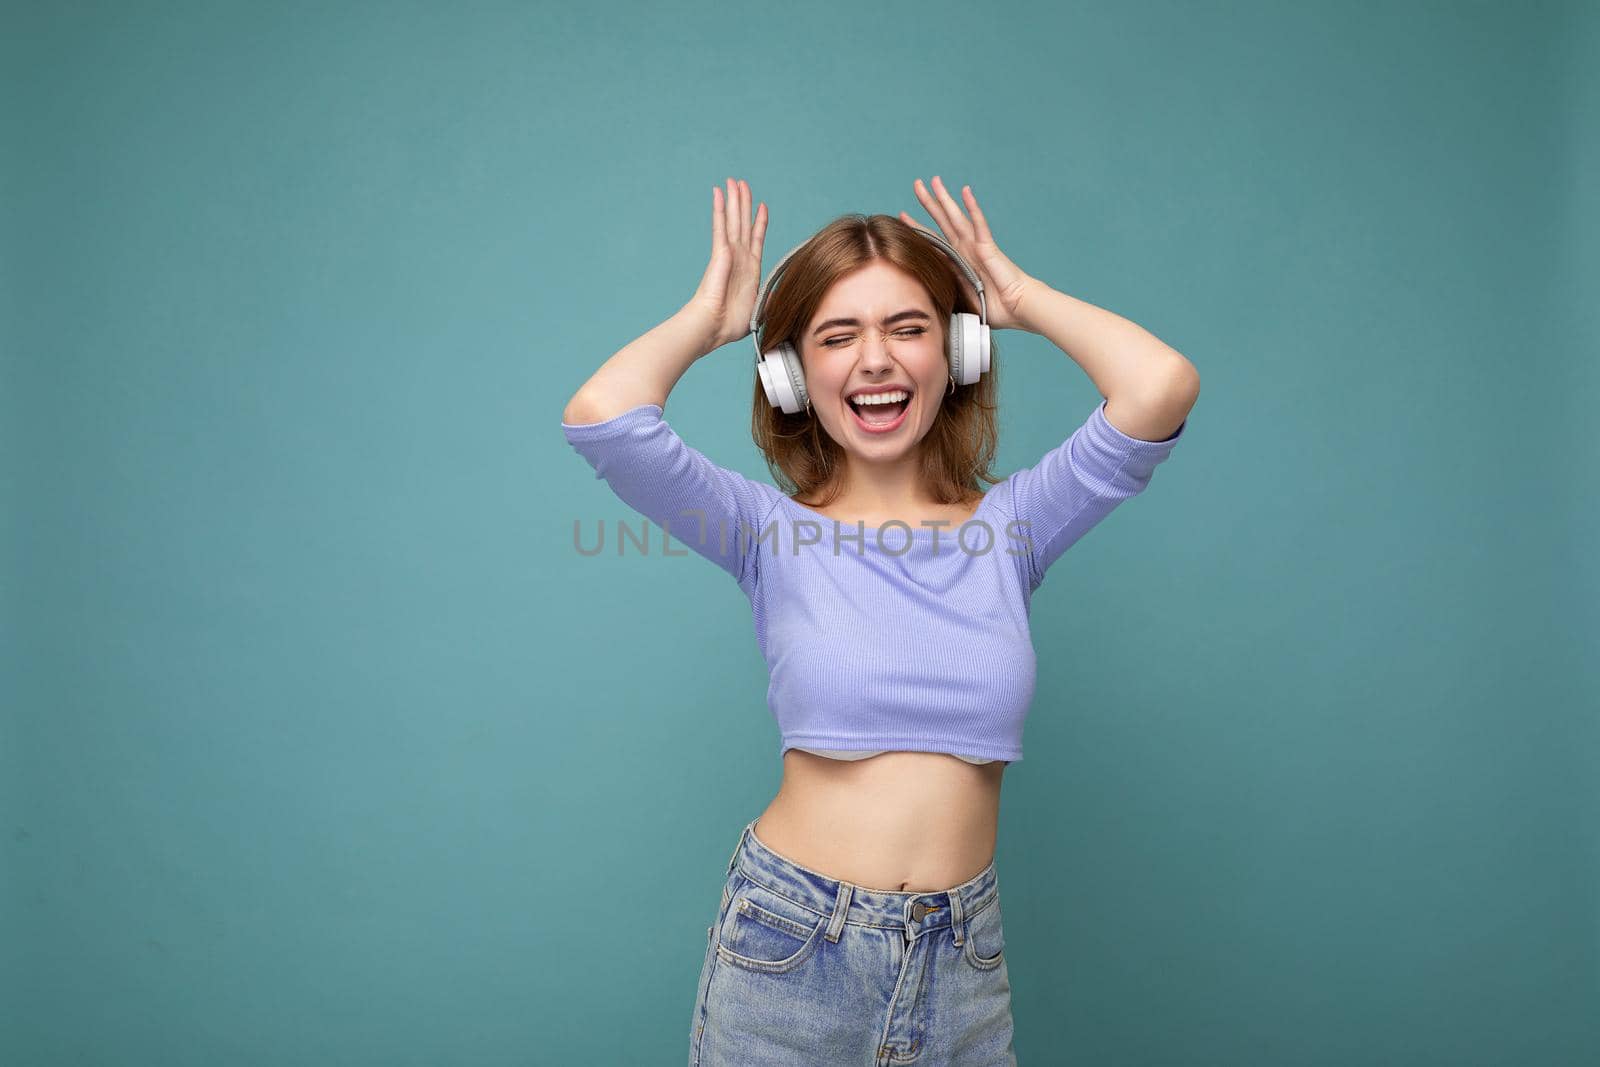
[(875, 354)]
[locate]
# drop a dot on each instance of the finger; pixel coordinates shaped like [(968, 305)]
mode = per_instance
[(952, 208), (953, 232), (758, 236), (731, 222), (932, 207), (749, 216), (744, 213), (909, 221), (924, 229), (982, 223), (716, 218), (966, 286)]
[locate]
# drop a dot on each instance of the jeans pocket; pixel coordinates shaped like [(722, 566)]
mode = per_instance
[(985, 943), (763, 931)]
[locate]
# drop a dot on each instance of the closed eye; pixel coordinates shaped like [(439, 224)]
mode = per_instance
[(909, 331)]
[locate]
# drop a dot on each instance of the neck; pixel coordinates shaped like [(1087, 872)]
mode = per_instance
[(887, 488)]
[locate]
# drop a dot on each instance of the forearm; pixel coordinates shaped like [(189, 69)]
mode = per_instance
[(644, 371), (1122, 358)]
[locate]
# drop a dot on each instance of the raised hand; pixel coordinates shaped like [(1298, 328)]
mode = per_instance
[(726, 296), (1004, 283)]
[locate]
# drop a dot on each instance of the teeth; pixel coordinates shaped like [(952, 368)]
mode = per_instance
[(881, 398)]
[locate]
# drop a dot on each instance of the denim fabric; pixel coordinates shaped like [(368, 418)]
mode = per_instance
[(803, 970)]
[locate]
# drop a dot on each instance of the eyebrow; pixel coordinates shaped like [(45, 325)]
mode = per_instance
[(909, 313)]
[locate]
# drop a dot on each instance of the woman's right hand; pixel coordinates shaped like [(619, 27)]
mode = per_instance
[(727, 293)]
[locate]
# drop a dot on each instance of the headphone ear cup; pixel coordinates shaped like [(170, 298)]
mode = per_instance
[(967, 347), (797, 375), (782, 378)]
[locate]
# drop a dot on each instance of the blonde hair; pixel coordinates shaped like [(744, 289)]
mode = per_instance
[(958, 448)]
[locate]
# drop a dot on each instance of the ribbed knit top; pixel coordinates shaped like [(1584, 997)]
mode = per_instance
[(896, 637)]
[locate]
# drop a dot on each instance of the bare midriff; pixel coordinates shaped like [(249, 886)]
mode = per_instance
[(899, 822)]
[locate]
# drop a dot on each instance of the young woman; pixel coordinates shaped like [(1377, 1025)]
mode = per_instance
[(860, 918)]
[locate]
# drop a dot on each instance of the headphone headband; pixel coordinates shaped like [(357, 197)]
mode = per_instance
[(758, 313)]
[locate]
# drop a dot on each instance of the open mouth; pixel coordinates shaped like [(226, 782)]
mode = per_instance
[(880, 417)]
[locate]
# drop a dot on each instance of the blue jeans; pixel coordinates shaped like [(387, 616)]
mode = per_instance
[(803, 970)]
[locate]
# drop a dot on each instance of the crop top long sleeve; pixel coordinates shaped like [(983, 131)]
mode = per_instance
[(892, 637)]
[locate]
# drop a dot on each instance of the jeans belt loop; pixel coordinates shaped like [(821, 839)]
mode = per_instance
[(841, 905)]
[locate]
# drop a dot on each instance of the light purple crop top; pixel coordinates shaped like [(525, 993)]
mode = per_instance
[(882, 638)]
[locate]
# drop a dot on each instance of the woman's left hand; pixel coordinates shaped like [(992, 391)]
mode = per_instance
[(1004, 283)]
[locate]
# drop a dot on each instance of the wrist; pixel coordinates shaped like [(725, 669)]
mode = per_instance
[(1030, 295), (698, 322)]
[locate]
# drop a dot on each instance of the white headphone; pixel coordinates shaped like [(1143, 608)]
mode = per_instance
[(966, 342)]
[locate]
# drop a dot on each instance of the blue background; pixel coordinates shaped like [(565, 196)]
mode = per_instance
[(322, 744)]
